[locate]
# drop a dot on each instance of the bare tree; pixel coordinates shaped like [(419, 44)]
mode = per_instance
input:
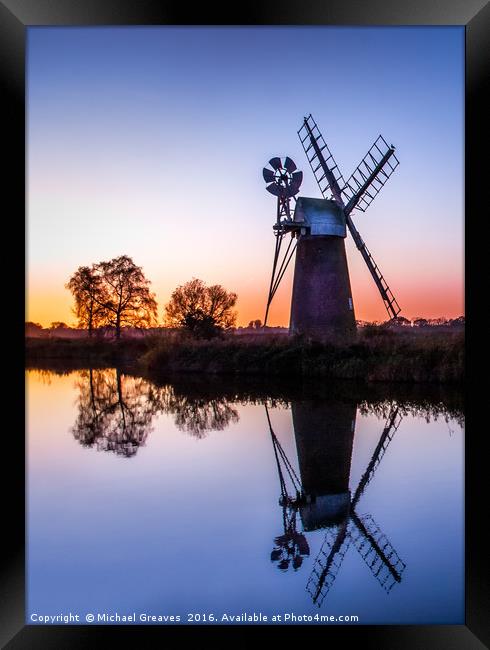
[(114, 293), (88, 291), (203, 311), (128, 299)]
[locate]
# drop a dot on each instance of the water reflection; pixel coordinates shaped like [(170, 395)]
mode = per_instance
[(324, 434), (291, 546), (198, 415), (310, 445), (116, 410)]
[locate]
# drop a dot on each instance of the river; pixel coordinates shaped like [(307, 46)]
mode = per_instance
[(201, 499)]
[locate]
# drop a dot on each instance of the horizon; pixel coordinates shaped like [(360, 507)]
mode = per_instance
[(359, 323), (132, 132)]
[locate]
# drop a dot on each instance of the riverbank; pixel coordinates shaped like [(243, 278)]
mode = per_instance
[(379, 354)]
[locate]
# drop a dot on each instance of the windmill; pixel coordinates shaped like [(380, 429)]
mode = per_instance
[(321, 304), (334, 511)]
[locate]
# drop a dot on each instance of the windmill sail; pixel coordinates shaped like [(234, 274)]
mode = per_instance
[(391, 427), (372, 545), (370, 176), (325, 169), (360, 190), (389, 300), (328, 562), (376, 551)]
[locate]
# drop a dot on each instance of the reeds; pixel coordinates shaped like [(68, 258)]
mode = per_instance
[(377, 354)]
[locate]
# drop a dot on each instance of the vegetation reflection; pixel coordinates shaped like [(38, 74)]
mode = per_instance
[(116, 411)]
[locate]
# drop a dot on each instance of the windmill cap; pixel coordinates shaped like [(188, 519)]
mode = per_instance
[(321, 216)]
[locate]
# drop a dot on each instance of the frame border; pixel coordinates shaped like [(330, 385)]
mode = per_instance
[(16, 15)]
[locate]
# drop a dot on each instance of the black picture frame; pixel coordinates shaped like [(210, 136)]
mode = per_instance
[(15, 16)]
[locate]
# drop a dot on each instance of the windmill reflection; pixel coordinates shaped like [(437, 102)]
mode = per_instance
[(324, 433), (116, 410)]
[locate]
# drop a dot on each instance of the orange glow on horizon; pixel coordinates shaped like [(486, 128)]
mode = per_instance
[(47, 305)]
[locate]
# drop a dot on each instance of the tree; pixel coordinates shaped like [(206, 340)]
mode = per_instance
[(457, 322), (58, 325), (128, 299), (255, 324), (114, 293), (88, 291), (438, 321), (33, 329), (203, 311), (399, 321)]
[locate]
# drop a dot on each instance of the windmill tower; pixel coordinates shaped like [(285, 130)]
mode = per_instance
[(321, 305)]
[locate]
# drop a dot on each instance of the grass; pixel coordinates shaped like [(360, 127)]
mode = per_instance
[(378, 354)]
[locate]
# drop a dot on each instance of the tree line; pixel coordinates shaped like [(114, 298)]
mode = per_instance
[(117, 294)]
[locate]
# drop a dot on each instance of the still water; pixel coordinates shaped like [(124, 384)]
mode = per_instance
[(175, 498)]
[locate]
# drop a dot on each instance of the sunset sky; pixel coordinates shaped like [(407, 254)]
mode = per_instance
[(150, 142)]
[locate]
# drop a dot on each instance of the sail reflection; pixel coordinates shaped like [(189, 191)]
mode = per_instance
[(324, 434)]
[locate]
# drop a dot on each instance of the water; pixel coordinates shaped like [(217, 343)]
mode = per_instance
[(164, 499)]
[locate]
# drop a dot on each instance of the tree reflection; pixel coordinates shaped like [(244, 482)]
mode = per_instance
[(198, 415), (114, 411), (426, 409)]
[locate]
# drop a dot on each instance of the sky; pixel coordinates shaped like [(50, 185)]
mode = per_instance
[(150, 142)]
